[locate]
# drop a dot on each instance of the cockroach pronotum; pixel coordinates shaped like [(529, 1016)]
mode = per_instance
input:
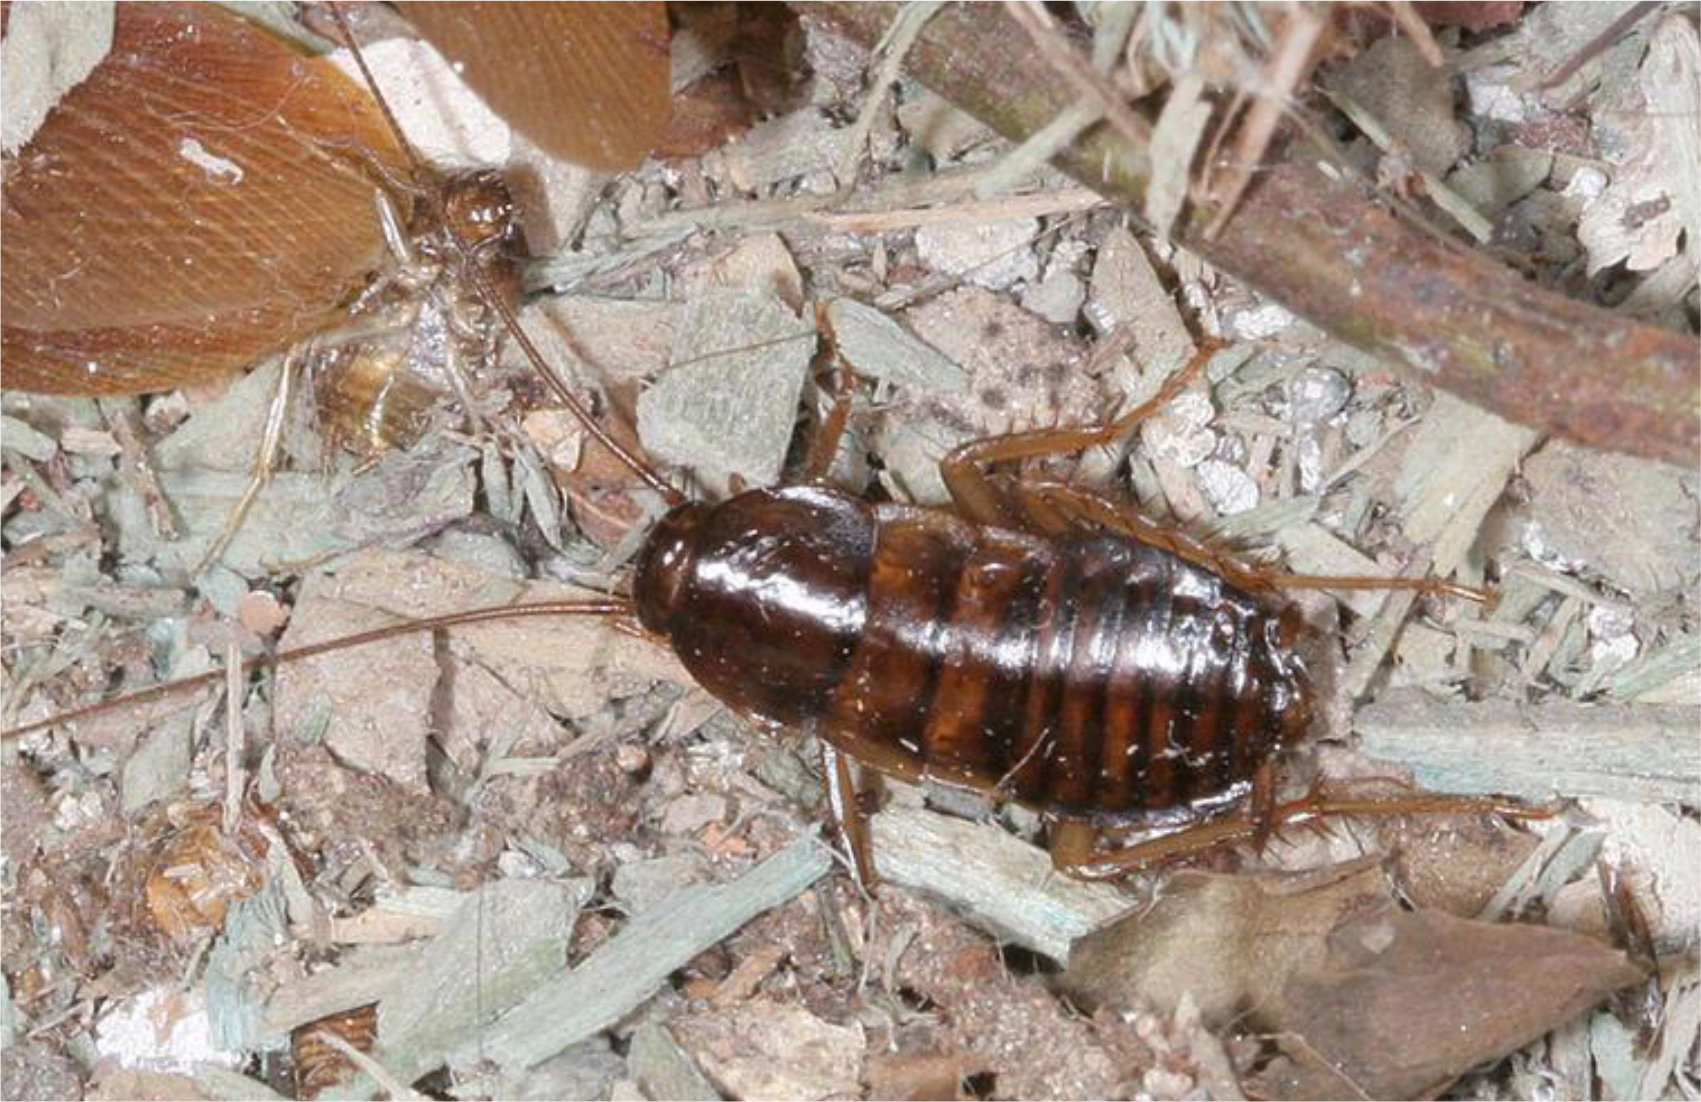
[(1035, 642)]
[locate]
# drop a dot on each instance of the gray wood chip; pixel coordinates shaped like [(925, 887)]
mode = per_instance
[(994, 879), (632, 966), (1641, 752), (729, 403), (878, 347)]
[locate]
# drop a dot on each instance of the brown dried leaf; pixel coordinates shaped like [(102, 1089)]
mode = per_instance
[(203, 198), (1230, 941), (1364, 998), (587, 82), (1409, 1000)]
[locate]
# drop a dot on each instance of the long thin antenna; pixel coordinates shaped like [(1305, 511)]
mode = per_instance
[(554, 381), (372, 86), (589, 607), (637, 466)]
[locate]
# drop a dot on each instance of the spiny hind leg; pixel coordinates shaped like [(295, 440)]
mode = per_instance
[(966, 469), (850, 818), (1256, 823), (266, 456), (1053, 508), (1075, 847), (825, 447)]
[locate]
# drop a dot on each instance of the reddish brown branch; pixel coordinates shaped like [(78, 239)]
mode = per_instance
[(1335, 256)]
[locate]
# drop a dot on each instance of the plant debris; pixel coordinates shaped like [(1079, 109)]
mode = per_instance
[(530, 858), (1360, 996)]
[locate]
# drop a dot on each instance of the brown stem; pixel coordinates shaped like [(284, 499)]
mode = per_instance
[(1335, 256)]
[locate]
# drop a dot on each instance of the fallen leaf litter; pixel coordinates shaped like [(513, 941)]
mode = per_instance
[(556, 867)]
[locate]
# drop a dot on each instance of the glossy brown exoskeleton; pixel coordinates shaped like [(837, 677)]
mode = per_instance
[(1089, 676)]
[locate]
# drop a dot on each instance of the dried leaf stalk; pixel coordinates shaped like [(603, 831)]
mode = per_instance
[(1332, 254)]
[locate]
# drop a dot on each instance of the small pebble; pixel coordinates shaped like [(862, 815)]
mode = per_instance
[(1587, 183), (1259, 322), (517, 866), (1179, 434), (166, 412), (74, 811), (1491, 95), (1317, 394), (259, 612), (1160, 1083), (1612, 634), (631, 758), (1229, 489)]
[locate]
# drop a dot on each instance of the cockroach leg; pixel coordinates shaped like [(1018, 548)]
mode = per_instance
[(825, 447), (1629, 930), (1252, 824), (849, 817), (266, 459), (1261, 805), (965, 469), (395, 233), (1048, 507), (1072, 844), (825, 444), (1084, 507), (457, 374)]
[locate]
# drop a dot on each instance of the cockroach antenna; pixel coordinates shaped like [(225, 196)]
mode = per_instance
[(588, 607)]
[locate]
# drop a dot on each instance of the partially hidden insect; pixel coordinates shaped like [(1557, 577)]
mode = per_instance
[(270, 204), (1034, 642)]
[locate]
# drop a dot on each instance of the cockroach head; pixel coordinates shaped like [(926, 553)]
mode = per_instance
[(479, 208)]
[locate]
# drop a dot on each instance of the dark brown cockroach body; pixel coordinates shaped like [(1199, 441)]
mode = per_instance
[(1092, 678)]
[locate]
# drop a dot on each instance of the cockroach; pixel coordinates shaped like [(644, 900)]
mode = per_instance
[(1034, 642)]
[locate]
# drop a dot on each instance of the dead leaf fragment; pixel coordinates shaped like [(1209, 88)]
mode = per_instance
[(1410, 1000), (1229, 941), (1365, 999)]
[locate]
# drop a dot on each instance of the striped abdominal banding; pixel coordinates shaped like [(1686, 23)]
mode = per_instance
[(1088, 677)]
